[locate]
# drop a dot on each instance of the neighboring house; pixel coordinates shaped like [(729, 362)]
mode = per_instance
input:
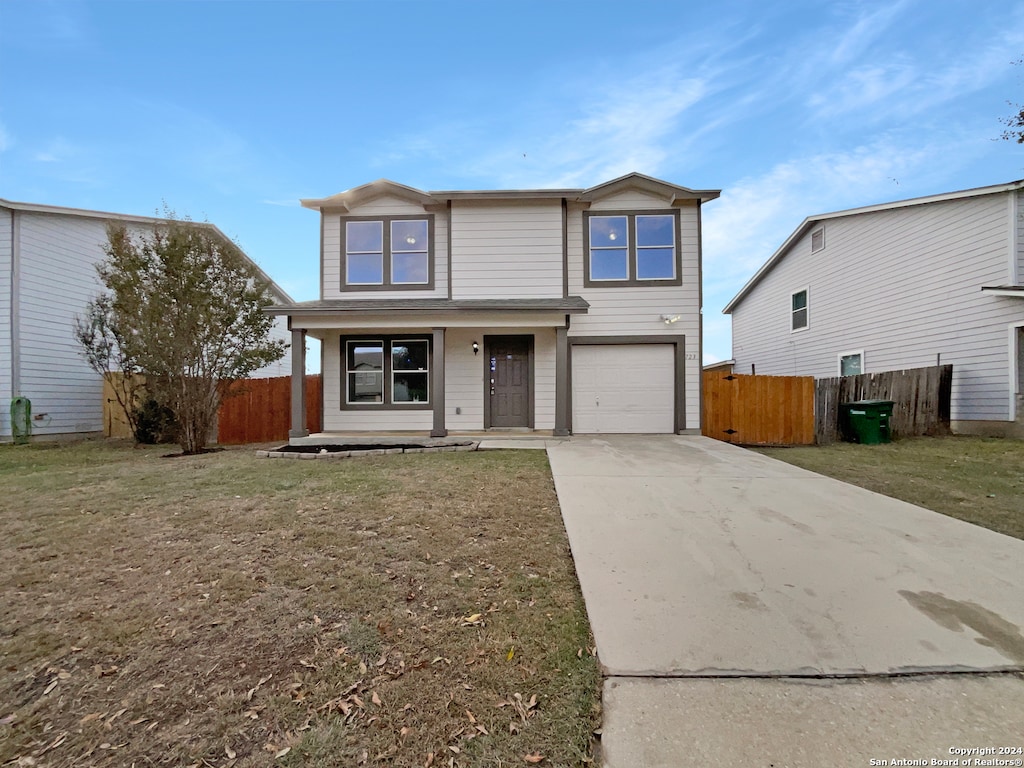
[(48, 258), (900, 285), (553, 310)]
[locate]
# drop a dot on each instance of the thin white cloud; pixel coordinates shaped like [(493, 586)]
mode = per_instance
[(283, 203), (863, 33), (57, 150)]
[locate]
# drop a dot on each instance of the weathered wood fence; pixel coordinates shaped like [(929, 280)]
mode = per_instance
[(260, 411), (797, 410), (921, 400), (758, 410)]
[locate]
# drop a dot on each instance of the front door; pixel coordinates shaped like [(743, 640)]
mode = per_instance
[(508, 381)]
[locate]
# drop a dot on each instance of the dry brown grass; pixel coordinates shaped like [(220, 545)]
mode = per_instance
[(226, 610)]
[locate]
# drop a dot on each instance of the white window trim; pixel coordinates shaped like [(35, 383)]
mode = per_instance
[(807, 309), (1014, 382), (841, 355), (815, 231)]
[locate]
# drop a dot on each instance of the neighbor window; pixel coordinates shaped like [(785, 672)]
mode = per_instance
[(374, 378), (388, 253), (631, 248), (817, 239), (851, 363), (799, 310)]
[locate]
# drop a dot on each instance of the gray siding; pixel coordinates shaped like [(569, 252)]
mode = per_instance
[(507, 250), (382, 206), (902, 285), (5, 323), (58, 277), (637, 311)]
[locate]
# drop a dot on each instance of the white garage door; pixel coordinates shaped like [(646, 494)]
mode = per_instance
[(623, 388)]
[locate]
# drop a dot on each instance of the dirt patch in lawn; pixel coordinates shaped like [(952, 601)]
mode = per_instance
[(406, 610), (980, 480)]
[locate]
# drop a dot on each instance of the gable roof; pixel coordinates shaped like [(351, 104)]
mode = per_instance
[(57, 210), (810, 221), (345, 201)]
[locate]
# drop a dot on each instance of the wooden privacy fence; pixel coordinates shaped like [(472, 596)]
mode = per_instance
[(758, 410), (921, 400), (261, 410)]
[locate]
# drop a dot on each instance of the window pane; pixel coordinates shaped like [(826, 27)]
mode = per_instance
[(363, 236), (408, 236), (799, 300), (800, 319), (609, 264), (366, 355), (409, 355), (366, 387), (409, 268), (655, 230), (654, 263), (849, 365), (410, 388), (608, 232), (364, 269)]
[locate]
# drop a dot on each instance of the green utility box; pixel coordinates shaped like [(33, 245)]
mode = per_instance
[(866, 421)]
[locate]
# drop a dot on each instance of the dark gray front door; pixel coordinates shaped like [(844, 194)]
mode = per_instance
[(508, 380)]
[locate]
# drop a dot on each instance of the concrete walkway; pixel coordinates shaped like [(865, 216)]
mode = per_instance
[(748, 612)]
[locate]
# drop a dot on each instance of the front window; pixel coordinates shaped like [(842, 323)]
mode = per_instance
[(631, 249), (378, 379), (388, 253), (799, 310)]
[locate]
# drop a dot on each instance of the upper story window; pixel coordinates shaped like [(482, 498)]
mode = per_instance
[(624, 249), (798, 302), (388, 253)]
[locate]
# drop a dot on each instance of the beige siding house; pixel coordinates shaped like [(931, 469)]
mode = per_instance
[(906, 284), (548, 310), (48, 258)]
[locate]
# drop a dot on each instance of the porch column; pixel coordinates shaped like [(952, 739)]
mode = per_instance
[(561, 382), (437, 384), (298, 385)]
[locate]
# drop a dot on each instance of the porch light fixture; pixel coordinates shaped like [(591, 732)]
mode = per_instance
[(669, 319), (476, 348)]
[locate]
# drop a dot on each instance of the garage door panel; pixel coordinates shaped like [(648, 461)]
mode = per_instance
[(623, 388)]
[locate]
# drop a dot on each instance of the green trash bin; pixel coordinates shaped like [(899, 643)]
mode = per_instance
[(866, 421)]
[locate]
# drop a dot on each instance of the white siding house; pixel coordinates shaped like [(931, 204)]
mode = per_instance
[(553, 310), (48, 258), (899, 285)]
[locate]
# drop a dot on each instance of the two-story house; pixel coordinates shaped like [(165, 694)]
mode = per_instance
[(906, 284), (553, 310)]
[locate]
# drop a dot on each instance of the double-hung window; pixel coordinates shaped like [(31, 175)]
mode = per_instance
[(640, 248), (386, 371), (798, 308), (388, 253)]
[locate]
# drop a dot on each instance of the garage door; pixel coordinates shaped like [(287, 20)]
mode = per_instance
[(623, 388)]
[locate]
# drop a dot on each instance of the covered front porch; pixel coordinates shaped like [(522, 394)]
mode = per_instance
[(496, 369)]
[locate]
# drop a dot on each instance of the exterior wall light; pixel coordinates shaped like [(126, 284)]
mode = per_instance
[(669, 319), (476, 348)]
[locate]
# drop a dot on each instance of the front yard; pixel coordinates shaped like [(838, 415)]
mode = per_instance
[(980, 480), (224, 610)]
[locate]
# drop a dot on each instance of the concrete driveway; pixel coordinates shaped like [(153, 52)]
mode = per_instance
[(773, 585)]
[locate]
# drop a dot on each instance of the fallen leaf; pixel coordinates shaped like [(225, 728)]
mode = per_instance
[(282, 752), (51, 686), (511, 653), (430, 760), (375, 699), (405, 731), (470, 716), (455, 749), (535, 758), (229, 752)]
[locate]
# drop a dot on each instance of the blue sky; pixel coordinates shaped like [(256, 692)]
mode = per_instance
[(231, 111)]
